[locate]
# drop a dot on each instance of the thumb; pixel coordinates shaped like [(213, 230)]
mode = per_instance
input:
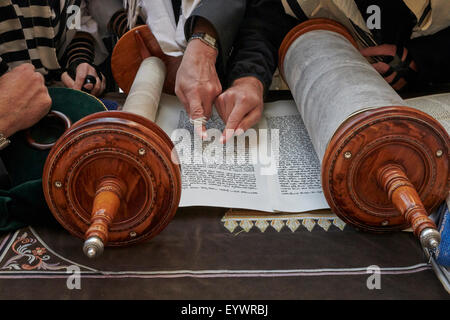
[(81, 75), (67, 80)]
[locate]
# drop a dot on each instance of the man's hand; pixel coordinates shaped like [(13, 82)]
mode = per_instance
[(197, 84), (241, 106), (389, 50), (83, 70), (24, 99)]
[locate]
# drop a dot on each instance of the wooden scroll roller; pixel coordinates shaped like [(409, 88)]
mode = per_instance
[(385, 166), (110, 178), (129, 52)]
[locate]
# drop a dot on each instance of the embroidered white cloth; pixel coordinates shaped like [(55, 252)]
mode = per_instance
[(161, 20)]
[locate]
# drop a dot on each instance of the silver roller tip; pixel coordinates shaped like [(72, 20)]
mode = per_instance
[(93, 247), (430, 239)]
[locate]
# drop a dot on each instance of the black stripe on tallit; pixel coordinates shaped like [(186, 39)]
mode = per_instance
[(8, 13), (298, 11), (14, 56), (10, 36)]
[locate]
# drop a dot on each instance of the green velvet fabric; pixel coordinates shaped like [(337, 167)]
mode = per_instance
[(24, 203)]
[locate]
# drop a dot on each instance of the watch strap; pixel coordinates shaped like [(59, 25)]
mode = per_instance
[(4, 142), (205, 38)]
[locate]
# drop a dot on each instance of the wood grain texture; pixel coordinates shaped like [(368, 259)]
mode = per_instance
[(404, 197), (108, 196), (129, 53), (368, 142), (116, 146)]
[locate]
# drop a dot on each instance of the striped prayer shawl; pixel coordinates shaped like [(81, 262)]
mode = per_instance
[(35, 31)]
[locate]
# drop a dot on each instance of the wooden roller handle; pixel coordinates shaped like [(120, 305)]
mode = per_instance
[(401, 192), (106, 204)]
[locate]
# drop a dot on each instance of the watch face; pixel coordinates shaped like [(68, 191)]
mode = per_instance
[(210, 39)]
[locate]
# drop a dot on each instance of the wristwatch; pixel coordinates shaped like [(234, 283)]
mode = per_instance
[(4, 142), (205, 38)]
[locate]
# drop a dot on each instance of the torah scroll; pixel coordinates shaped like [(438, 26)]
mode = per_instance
[(146, 90), (384, 165), (110, 179)]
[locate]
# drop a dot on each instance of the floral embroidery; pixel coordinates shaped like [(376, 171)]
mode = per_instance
[(25, 254), (38, 251), (28, 257)]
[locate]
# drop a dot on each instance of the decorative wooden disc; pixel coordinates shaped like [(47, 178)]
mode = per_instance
[(367, 142), (127, 58), (128, 55), (382, 163), (127, 148)]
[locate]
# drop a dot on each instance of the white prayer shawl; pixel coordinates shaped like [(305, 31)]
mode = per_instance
[(161, 20)]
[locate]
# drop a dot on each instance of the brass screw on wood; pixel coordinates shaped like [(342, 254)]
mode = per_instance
[(347, 155), (439, 153), (141, 151), (385, 223), (58, 184), (133, 234)]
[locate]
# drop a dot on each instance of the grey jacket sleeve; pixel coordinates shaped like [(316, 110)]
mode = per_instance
[(225, 16)]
